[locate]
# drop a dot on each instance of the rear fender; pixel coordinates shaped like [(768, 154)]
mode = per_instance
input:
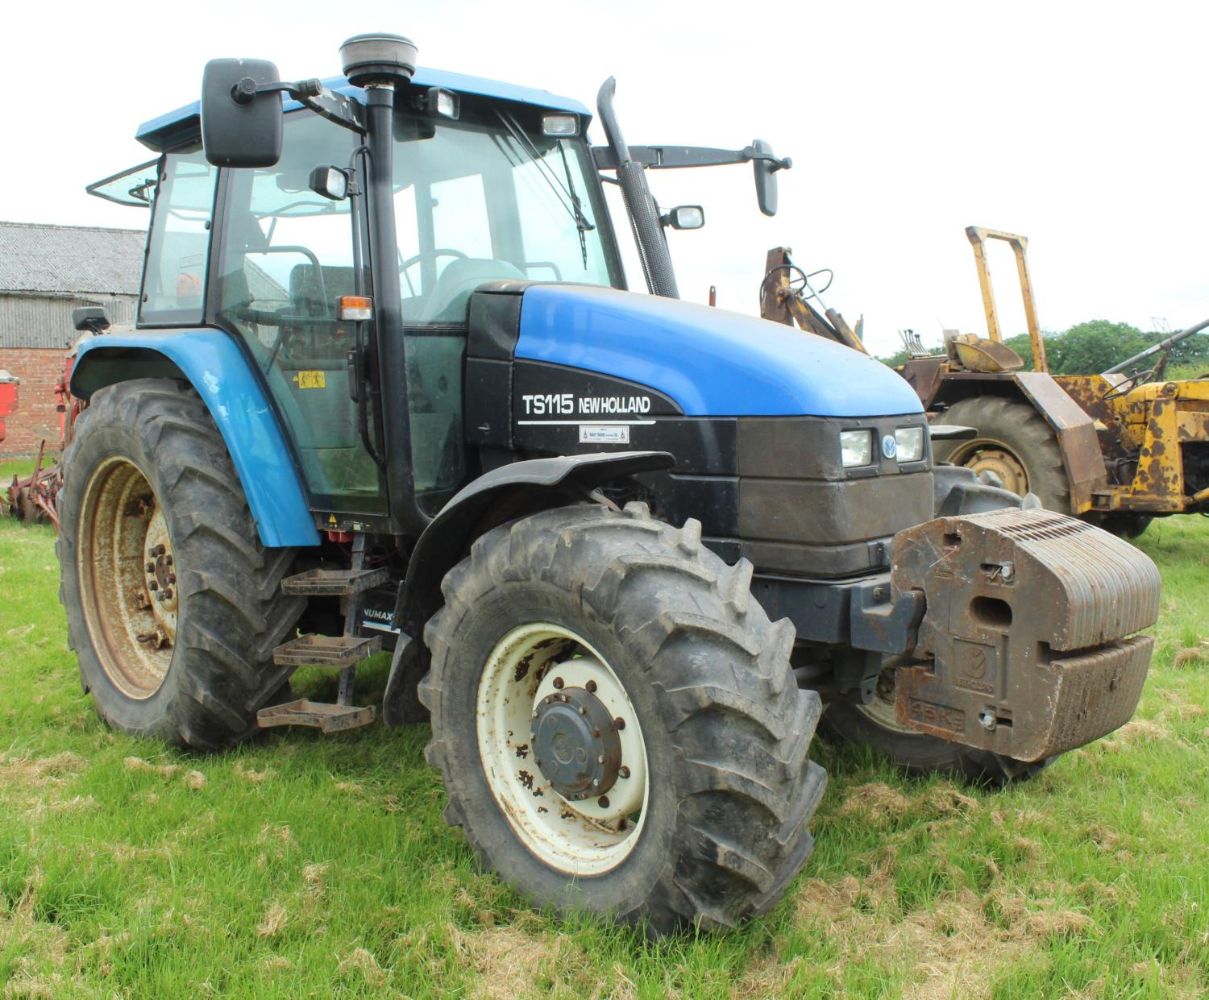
[(212, 362), (1076, 433)]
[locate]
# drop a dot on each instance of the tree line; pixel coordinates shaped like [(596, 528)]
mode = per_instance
[(1098, 344)]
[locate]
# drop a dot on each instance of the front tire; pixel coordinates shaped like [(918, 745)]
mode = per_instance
[(707, 786), (173, 604), (876, 725)]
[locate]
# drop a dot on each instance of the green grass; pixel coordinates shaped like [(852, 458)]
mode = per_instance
[(303, 865)]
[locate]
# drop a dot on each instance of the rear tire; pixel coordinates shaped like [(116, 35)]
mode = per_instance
[(1125, 525), (674, 637), (173, 604), (1015, 443)]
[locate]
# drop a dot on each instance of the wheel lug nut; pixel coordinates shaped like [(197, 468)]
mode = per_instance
[(591, 686), (168, 559), (172, 578), (167, 595), (558, 683), (603, 802), (623, 772), (153, 585), (150, 567), (582, 710), (619, 723), (600, 759)]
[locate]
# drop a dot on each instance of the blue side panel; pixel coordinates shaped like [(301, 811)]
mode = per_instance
[(170, 129), (219, 372), (711, 362)]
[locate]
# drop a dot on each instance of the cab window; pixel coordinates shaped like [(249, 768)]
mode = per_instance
[(174, 281), (287, 255)]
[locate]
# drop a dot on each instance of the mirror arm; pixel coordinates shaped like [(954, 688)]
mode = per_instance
[(310, 93), (245, 90), (776, 162), (675, 157)]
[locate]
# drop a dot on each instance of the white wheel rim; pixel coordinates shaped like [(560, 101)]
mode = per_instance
[(584, 837)]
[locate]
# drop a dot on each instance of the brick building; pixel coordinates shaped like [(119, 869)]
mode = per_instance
[(45, 273)]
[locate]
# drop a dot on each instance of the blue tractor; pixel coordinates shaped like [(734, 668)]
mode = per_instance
[(387, 388)]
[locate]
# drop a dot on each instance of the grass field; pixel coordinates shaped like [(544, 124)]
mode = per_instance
[(302, 865)]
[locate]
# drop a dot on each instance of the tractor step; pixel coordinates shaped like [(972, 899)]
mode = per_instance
[(336, 651), (334, 582), (325, 717)]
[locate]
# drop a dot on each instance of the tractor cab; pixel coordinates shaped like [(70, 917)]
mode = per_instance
[(489, 183)]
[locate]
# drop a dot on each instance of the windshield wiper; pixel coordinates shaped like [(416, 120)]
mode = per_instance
[(581, 220), (568, 197)]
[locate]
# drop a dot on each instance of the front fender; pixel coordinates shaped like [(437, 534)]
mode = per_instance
[(563, 478), (212, 362)]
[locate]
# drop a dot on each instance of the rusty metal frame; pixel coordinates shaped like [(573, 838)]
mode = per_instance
[(781, 303), (978, 235)]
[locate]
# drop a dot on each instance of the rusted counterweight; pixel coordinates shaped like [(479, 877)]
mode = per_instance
[(1027, 644)]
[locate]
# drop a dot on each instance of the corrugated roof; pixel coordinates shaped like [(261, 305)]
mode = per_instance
[(69, 259)]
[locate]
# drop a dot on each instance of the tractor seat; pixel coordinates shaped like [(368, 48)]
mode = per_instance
[(451, 293), (314, 290)]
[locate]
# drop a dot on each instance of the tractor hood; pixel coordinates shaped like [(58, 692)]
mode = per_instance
[(711, 362)]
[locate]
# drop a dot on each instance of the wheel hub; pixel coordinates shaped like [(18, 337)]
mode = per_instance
[(562, 749), (575, 744), (160, 587), (1001, 462)]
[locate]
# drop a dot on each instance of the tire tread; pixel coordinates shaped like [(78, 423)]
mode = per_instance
[(740, 728)]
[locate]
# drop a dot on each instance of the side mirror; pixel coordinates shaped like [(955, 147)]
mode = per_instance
[(766, 176), (240, 127), (685, 217), (89, 319), (329, 182)]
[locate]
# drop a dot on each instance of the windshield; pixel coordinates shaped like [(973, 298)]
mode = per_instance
[(489, 197)]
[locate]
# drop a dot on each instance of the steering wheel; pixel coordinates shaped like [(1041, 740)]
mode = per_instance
[(430, 255)]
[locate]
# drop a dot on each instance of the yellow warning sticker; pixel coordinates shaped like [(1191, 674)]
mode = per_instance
[(311, 380)]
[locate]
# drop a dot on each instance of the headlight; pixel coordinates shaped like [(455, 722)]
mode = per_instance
[(560, 125), (856, 448), (910, 441)]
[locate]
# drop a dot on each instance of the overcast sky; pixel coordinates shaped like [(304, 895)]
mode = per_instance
[(1080, 125)]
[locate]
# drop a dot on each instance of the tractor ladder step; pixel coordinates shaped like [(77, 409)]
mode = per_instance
[(336, 651), (334, 582), (325, 717)]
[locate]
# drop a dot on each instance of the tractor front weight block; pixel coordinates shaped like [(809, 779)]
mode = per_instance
[(1027, 646)]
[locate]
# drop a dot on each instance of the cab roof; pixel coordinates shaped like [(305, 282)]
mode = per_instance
[(179, 126)]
